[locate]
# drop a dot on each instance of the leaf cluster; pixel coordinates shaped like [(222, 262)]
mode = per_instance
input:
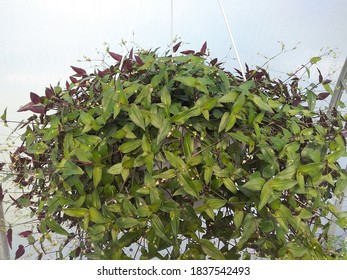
[(173, 157)]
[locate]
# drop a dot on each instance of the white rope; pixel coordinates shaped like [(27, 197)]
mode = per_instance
[(125, 47), (172, 29), (232, 40)]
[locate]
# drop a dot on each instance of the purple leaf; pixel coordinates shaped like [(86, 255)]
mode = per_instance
[(176, 47), (73, 79), (320, 78), (20, 252), (322, 95), (296, 101), (39, 109), (25, 233), (204, 48), (49, 92), (9, 237), (79, 71), (104, 72), (139, 60), (327, 81), (127, 65), (213, 61), (1, 194), (34, 98), (26, 107), (188, 52), (115, 56), (131, 54)]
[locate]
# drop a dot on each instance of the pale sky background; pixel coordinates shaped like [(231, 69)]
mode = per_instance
[(40, 39)]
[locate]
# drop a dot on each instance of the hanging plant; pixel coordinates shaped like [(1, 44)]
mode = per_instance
[(173, 157)]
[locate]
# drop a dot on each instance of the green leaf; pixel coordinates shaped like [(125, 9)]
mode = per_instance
[(168, 174), (158, 227), (115, 169), (240, 136), (223, 122), (188, 185), (239, 103), (165, 96), (127, 222), (249, 226), (315, 59), (136, 116), (175, 221), (229, 97), (96, 217), (174, 160), (216, 203), (269, 156), (4, 116), (184, 116), (210, 250), (311, 99), (89, 139), (86, 118), (238, 218), (187, 81), (130, 146), (281, 184), (254, 184), (311, 168), (97, 174), (265, 196), (229, 184), (76, 212), (38, 148), (164, 130), (231, 122), (261, 103), (69, 168), (55, 227), (188, 145)]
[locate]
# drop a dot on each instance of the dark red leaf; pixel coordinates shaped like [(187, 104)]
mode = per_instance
[(49, 92), (199, 54), (139, 60), (213, 61), (73, 79), (131, 54), (320, 78), (204, 48), (127, 65), (188, 52), (9, 237), (259, 75), (67, 85), (176, 47), (39, 109), (327, 81), (104, 72), (322, 95), (1, 194), (34, 98), (26, 107), (25, 233), (79, 71), (2, 164), (115, 56), (296, 101), (20, 252)]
